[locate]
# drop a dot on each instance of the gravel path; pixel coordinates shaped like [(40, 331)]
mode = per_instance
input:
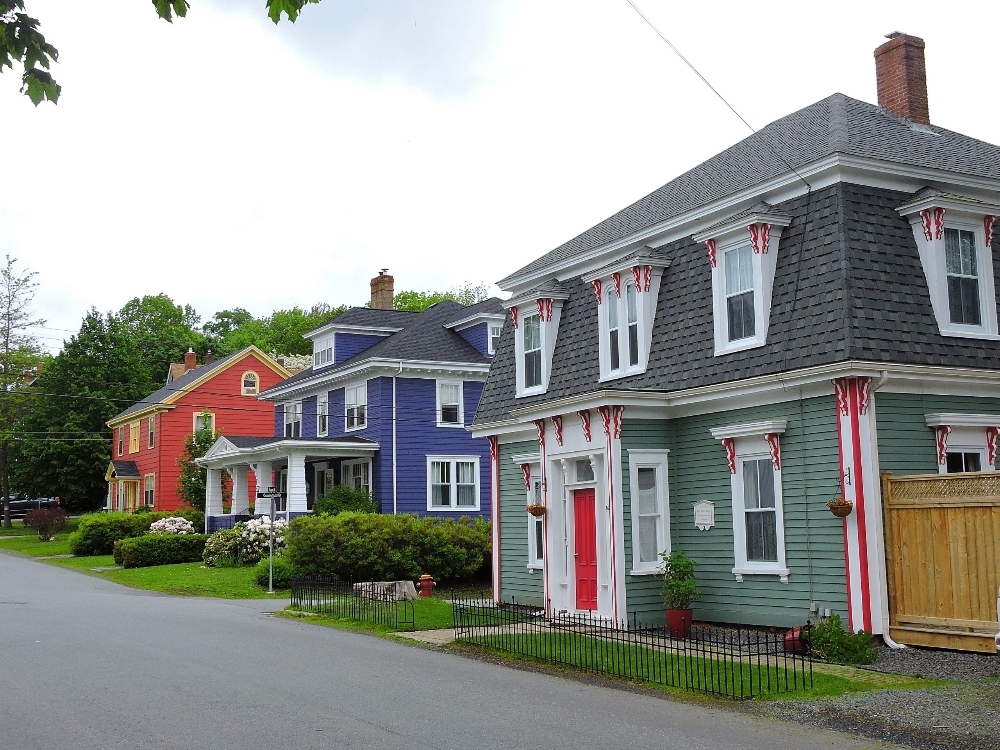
[(960, 717)]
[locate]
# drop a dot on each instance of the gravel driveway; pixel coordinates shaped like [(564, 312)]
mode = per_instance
[(965, 716)]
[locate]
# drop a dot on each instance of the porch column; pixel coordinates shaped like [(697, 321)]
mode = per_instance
[(241, 500), (297, 483), (213, 493), (264, 474)]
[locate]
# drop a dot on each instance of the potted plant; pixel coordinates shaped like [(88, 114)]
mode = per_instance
[(536, 509), (679, 590), (840, 507)]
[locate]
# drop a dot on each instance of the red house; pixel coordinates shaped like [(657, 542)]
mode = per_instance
[(147, 439)]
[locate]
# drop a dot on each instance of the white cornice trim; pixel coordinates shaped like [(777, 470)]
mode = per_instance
[(340, 328), (750, 429), (379, 367), (821, 173), (526, 458), (461, 325), (962, 420), (740, 224), (220, 455), (957, 205)]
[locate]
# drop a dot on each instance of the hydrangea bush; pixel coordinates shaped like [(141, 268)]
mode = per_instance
[(172, 525), (245, 543)]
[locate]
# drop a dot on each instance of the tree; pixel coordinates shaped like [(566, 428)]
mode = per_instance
[(21, 40), (193, 478), (224, 322), (19, 350), (162, 331), (65, 448), (465, 294), (281, 332)]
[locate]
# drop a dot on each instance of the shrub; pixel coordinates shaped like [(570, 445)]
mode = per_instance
[(46, 521), (829, 641), (254, 538), (159, 549), (679, 586), (222, 549), (283, 572), (375, 547), (342, 499), (172, 525), (142, 509), (98, 532)]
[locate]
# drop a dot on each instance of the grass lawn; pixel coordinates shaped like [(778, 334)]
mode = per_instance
[(30, 545), (428, 614), (19, 529)]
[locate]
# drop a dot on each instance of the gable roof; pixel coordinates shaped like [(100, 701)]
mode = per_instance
[(423, 337), (835, 125), (191, 380), (119, 469)]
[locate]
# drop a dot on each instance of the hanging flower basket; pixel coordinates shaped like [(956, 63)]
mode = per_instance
[(840, 507), (536, 509)]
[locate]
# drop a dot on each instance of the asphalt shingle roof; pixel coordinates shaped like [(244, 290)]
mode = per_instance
[(125, 469), (254, 441), (835, 125)]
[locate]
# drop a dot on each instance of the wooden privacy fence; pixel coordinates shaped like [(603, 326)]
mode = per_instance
[(943, 558)]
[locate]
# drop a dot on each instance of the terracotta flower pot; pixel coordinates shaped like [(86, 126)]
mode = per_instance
[(536, 509), (679, 622), (840, 507)]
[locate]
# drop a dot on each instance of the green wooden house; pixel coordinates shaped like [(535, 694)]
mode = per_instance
[(809, 315)]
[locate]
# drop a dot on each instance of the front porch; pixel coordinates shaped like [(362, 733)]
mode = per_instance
[(272, 462)]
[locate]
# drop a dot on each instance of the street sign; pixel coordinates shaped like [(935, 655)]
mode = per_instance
[(269, 494)]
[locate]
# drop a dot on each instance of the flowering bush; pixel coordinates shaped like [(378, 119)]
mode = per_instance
[(222, 550), (172, 525), (255, 535)]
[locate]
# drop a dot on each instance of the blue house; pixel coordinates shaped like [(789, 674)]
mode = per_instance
[(386, 407)]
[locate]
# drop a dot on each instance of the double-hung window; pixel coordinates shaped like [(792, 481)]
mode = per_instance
[(632, 315), (739, 293), (322, 415), (532, 338), (453, 483), (494, 342), (536, 524), (963, 277), (293, 419), (121, 441), (149, 489), (625, 316), (133, 437), (356, 406), (323, 351), (357, 474), (449, 407), (648, 505), (614, 351), (151, 440), (760, 514), (204, 421)]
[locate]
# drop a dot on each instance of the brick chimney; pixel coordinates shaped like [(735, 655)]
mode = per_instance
[(190, 360), (902, 77), (383, 291)]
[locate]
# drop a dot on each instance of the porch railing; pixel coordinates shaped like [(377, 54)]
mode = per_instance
[(735, 662), (368, 601)]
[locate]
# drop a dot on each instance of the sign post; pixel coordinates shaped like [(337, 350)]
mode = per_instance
[(272, 494)]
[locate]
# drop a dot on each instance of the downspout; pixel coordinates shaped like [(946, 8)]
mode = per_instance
[(883, 377), (394, 506)]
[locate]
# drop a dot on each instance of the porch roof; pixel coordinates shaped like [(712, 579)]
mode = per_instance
[(228, 451), (121, 470)]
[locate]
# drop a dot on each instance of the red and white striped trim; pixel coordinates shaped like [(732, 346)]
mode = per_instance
[(774, 445), (584, 415), (730, 445), (991, 444), (557, 425), (637, 276), (616, 278), (513, 316), (941, 433), (494, 442), (540, 427), (710, 244), (988, 222), (544, 306), (597, 289), (612, 419), (932, 220), (526, 470)]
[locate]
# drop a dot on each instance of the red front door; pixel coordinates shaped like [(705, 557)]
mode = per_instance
[(585, 539)]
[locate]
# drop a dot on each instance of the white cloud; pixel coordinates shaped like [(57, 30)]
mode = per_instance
[(227, 162)]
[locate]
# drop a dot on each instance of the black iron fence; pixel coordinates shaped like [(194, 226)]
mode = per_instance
[(731, 662), (376, 603)]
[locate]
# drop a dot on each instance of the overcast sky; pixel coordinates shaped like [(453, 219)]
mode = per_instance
[(229, 162)]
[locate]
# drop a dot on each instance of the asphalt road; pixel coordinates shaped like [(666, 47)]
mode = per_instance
[(85, 663)]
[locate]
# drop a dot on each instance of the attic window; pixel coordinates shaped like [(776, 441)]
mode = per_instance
[(626, 308), (323, 351), (495, 329), (250, 383), (536, 323)]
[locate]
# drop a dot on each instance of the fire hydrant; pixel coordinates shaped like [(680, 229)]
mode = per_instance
[(425, 585)]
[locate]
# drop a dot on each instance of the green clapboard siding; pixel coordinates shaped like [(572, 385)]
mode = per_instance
[(516, 581), (906, 445), (698, 471)]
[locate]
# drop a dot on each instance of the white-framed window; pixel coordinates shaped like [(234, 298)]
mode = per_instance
[(322, 415), (293, 419), (453, 483), (959, 461), (494, 337), (323, 351), (531, 351), (650, 509), (536, 524), (326, 478), (250, 383), (632, 325), (626, 323), (203, 420), (614, 339), (357, 474), (121, 496), (121, 440), (149, 489), (133, 437), (450, 411), (966, 441), (740, 307), (356, 406), (957, 263), (151, 425)]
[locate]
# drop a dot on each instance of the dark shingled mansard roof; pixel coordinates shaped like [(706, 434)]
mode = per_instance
[(422, 336), (835, 125), (849, 284)]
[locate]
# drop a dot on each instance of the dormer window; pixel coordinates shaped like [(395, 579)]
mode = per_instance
[(323, 351), (632, 313), (954, 236), (743, 253), (614, 354), (531, 335), (495, 329)]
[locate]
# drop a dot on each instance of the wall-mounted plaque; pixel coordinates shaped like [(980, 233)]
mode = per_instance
[(704, 514)]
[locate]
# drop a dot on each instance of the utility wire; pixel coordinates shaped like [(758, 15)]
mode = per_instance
[(714, 90)]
